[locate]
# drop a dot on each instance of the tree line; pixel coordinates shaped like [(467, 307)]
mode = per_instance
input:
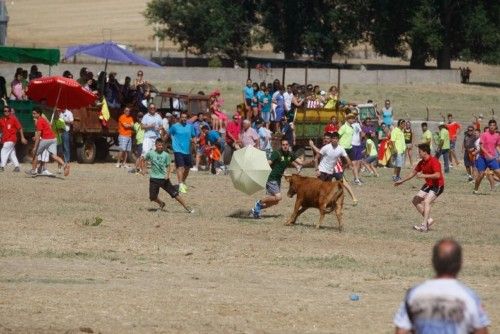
[(443, 30)]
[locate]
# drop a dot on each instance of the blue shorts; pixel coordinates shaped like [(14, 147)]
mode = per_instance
[(399, 160), (357, 152), (183, 160), (482, 164), (138, 149), (125, 143), (371, 159), (453, 144), (272, 188)]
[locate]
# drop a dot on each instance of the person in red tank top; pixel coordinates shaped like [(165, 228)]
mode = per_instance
[(429, 169), (45, 140)]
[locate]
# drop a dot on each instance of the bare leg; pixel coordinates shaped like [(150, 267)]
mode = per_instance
[(180, 174), (349, 190), (61, 161), (355, 169), (479, 178), (179, 199), (185, 174), (270, 201), (160, 203)]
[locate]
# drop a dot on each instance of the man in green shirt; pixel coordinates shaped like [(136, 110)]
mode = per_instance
[(160, 166), (398, 142), (139, 138), (444, 146), (279, 162)]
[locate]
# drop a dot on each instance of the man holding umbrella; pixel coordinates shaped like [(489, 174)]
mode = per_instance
[(279, 161)]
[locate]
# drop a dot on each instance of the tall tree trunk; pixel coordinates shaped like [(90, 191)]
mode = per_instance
[(418, 58), (444, 58)]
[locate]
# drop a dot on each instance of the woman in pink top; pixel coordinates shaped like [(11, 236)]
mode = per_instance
[(16, 86)]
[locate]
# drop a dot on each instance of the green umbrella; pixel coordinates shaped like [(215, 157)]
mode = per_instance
[(249, 170)]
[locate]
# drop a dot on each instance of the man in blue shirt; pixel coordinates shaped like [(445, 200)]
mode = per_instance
[(248, 95), (182, 135)]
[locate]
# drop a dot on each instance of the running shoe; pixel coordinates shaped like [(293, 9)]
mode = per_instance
[(190, 210), (45, 172), (182, 188), (254, 214), (476, 192), (357, 182), (194, 169), (421, 228), (16, 170)]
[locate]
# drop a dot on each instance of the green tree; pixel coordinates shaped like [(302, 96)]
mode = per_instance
[(214, 27), (436, 29)]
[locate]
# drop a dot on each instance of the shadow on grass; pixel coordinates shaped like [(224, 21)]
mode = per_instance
[(485, 84), (244, 216)]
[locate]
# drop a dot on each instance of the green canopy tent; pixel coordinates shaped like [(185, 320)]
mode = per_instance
[(29, 55)]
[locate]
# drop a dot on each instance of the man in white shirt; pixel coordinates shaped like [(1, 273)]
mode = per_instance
[(356, 150), (442, 304), (330, 154), (288, 96), (67, 117)]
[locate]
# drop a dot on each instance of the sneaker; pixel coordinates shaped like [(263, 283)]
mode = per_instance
[(31, 172), (357, 182), (254, 214), (194, 169), (190, 210), (476, 192), (16, 170), (421, 228), (257, 207), (118, 165), (46, 173), (182, 188), (132, 170)]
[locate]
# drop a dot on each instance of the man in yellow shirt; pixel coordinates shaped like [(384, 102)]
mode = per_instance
[(444, 146), (398, 142), (426, 135)]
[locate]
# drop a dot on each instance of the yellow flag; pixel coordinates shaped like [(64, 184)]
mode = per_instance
[(105, 110)]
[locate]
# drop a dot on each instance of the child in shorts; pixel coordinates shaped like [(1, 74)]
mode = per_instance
[(160, 164)]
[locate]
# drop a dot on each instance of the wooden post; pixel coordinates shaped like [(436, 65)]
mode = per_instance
[(338, 82), (427, 116), (283, 75), (249, 69), (307, 69)]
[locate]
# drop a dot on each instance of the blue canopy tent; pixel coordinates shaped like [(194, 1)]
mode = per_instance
[(109, 50)]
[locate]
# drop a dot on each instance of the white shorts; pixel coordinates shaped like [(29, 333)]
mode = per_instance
[(147, 145)]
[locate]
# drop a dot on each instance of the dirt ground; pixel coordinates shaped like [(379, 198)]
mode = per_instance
[(139, 270)]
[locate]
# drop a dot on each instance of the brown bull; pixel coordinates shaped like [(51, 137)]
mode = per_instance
[(315, 193)]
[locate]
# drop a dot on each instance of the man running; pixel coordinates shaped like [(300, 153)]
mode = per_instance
[(279, 161), (182, 134), (45, 140), (429, 169), (160, 167), (489, 151)]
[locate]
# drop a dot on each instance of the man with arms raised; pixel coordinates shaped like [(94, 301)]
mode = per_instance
[(442, 304), (428, 169)]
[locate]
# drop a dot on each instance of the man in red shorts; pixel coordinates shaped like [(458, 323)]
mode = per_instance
[(429, 168)]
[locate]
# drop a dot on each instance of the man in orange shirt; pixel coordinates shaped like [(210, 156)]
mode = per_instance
[(453, 129), (125, 126)]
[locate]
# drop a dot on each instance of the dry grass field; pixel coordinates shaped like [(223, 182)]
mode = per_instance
[(91, 252)]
